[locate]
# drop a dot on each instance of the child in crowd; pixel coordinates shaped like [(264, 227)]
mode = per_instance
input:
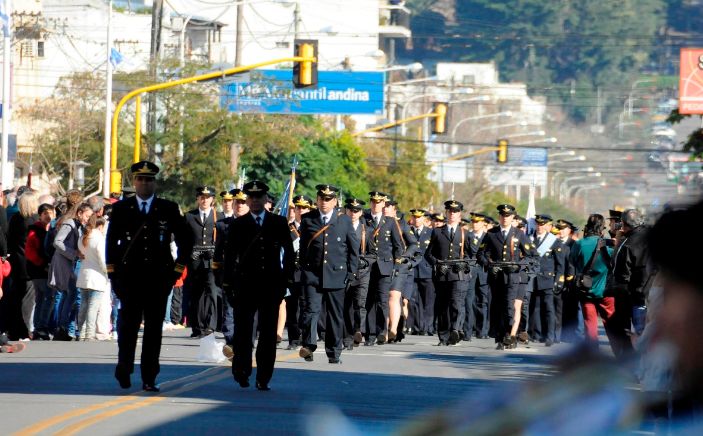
[(92, 277)]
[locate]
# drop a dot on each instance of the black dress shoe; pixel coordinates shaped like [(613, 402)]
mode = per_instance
[(350, 347), (123, 377), (150, 387), (195, 335), (369, 343), (500, 346), (442, 343), (453, 337), (335, 360), (241, 378), (262, 386), (462, 335), (423, 333), (548, 343), (306, 354), (293, 347), (381, 339)]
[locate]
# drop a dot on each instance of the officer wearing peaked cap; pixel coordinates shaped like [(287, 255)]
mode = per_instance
[(355, 296), (142, 269), (200, 283), (478, 283), (447, 245), (239, 209), (329, 260), (421, 310), (566, 306), (386, 248), (258, 267), (400, 292), (504, 252), (301, 205), (438, 219)]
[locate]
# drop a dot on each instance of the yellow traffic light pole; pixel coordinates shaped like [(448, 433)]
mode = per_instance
[(115, 175), (397, 123), (465, 155)]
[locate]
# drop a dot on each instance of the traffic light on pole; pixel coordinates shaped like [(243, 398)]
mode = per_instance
[(502, 151), (441, 119), (305, 73)]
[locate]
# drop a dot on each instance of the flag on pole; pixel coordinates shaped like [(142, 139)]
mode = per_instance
[(531, 225), (117, 58), (4, 18), (281, 207)]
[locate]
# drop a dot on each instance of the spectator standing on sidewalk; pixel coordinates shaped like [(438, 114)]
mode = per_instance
[(38, 270), (22, 297), (92, 276)]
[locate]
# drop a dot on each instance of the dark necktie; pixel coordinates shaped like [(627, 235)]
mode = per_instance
[(451, 233), (258, 220), (505, 234), (144, 207), (538, 242), (324, 220)]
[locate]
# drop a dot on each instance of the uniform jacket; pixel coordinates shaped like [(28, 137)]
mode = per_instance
[(551, 266), (477, 271), (386, 243), (150, 252), (363, 236), (205, 234), (331, 259), (222, 230), (569, 267), (441, 247), (422, 269), (253, 255), (496, 248), (295, 236)]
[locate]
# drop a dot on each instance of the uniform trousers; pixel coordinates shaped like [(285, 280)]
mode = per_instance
[(355, 307), (482, 306), (423, 315), (543, 314), (293, 314), (227, 321), (334, 328), (246, 306), (448, 307), (468, 314), (176, 314), (377, 305), (502, 306), (526, 306), (148, 301), (203, 299)]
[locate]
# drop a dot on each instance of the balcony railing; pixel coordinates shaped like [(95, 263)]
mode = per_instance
[(394, 21)]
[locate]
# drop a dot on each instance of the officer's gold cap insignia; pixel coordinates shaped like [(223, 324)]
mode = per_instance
[(354, 203), (440, 216), (453, 204), (254, 188), (506, 209), (418, 213), (327, 191), (377, 197), (240, 196), (144, 170), (206, 191), (227, 196)]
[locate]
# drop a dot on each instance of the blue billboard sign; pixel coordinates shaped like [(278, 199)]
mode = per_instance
[(526, 156), (337, 93)]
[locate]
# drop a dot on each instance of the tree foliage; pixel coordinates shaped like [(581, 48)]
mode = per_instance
[(563, 49)]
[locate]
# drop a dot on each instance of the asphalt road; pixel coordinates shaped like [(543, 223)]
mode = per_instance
[(67, 388)]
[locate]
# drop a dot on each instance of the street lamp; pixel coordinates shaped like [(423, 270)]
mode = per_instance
[(634, 85), (78, 174), (555, 177), (585, 189), (565, 188), (538, 141), (566, 153), (407, 103)]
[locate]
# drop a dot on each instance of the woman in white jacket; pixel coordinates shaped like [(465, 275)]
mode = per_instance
[(92, 276)]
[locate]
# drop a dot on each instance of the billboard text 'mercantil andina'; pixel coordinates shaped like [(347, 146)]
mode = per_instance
[(337, 93)]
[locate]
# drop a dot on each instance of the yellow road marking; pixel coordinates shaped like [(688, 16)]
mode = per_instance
[(143, 401)]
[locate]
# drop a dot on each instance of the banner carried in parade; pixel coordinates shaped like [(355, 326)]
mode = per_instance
[(337, 93)]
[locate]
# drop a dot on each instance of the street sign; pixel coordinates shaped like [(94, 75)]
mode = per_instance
[(691, 81), (337, 93), (526, 156)]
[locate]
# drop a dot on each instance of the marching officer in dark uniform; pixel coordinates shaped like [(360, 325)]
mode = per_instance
[(355, 296), (329, 260), (422, 307), (142, 270), (551, 276), (255, 279), (500, 254), (386, 249), (200, 281), (448, 253), (401, 282), (302, 204), (238, 199), (566, 306), (478, 285)]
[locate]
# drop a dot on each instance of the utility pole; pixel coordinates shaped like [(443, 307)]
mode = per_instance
[(6, 90), (239, 27), (108, 107), (157, 14), (296, 19)]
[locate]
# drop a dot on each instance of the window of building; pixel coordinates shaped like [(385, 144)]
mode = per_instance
[(40, 49)]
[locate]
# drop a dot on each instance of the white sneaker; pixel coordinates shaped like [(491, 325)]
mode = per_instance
[(114, 335), (168, 326)]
